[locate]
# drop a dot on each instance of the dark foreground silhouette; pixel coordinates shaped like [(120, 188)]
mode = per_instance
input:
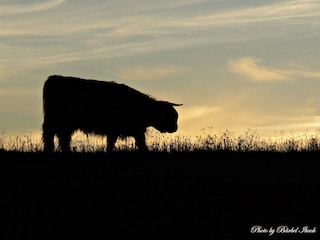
[(102, 108), (171, 196)]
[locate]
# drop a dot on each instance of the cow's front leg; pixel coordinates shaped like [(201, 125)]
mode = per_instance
[(111, 140)]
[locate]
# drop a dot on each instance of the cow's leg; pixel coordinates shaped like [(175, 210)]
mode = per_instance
[(111, 140), (141, 142), (47, 138), (64, 141)]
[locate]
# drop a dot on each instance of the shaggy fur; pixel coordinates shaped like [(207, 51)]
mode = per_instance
[(101, 108)]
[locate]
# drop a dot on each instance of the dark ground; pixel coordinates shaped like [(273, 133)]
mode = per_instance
[(217, 195)]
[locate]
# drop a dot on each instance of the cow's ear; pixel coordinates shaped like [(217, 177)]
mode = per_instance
[(175, 104)]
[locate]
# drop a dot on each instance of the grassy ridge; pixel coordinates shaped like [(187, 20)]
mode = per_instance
[(157, 142), (216, 186), (197, 195)]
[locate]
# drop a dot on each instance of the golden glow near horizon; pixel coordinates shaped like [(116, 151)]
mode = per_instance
[(234, 64)]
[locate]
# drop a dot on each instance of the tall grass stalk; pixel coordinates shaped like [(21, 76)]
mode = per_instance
[(222, 141)]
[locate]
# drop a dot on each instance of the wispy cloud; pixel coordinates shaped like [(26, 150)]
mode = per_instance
[(249, 68), (150, 20), (76, 33), (149, 73), (197, 112), (305, 73), (280, 10), (175, 31), (150, 28), (28, 8)]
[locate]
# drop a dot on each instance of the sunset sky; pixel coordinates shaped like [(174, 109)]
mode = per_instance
[(234, 64)]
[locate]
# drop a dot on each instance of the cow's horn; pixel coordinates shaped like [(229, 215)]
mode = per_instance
[(176, 105)]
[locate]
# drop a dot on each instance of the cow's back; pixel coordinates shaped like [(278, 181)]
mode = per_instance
[(73, 89), (93, 105)]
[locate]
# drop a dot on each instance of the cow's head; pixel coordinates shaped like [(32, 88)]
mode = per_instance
[(166, 117)]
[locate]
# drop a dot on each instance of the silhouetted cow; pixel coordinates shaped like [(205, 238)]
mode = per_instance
[(101, 108)]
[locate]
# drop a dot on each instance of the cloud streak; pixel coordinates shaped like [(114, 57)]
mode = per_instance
[(249, 68), (280, 11), (150, 21), (149, 73), (149, 29), (197, 112), (14, 9)]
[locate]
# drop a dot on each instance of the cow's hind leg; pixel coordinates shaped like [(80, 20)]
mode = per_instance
[(64, 141), (111, 140), (47, 138), (141, 142)]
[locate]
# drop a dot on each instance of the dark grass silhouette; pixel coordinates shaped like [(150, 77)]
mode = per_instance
[(176, 195), (101, 108)]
